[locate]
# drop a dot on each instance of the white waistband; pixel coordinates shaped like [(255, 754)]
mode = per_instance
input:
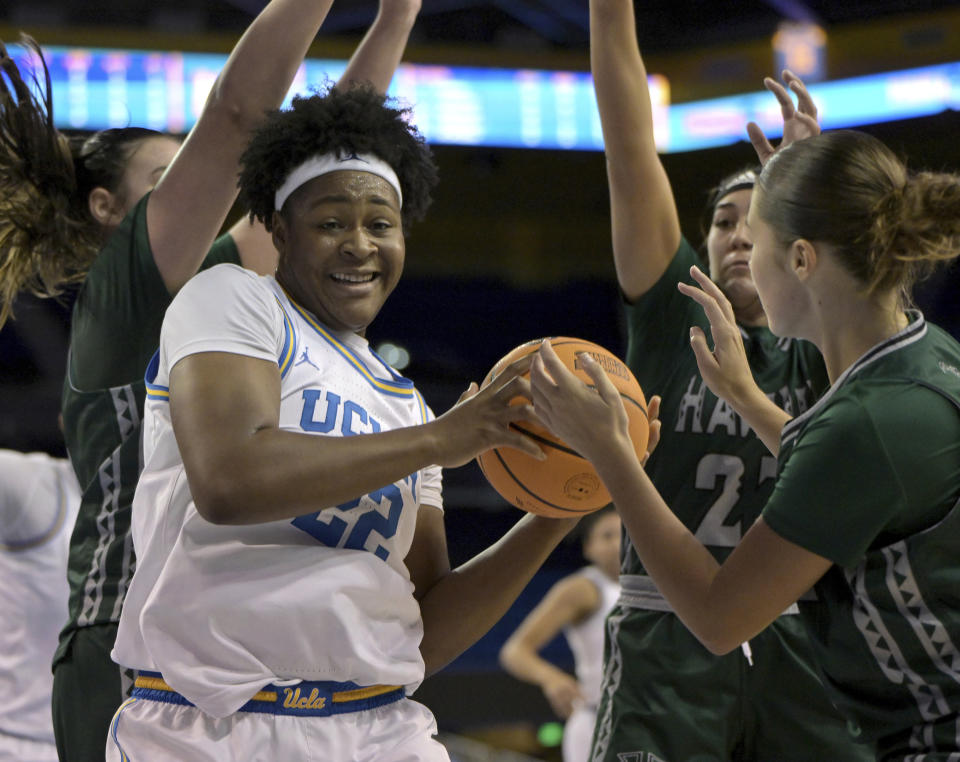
[(638, 591)]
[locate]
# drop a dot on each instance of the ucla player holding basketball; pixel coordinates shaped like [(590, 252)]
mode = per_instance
[(293, 584), (765, 701), (133, 214), (866, 508)]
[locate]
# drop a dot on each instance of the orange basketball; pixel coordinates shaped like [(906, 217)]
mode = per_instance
[(565, 484)]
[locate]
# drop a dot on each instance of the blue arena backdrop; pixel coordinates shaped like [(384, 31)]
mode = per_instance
[(95, 88)]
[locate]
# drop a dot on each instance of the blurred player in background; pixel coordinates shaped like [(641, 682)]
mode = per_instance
[(39, 500), (765, 699), (133, 214), (293, 585), (577, 605)]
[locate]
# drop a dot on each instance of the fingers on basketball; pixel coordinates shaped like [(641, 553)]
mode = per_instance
[(563, 484)]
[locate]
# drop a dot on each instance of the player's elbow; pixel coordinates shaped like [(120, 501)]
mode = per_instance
[(437, 655), (215, 508), (508, 655), (717, 639), (229, 105), (719, 647), (220, 498), (516, 656), (223, 477)]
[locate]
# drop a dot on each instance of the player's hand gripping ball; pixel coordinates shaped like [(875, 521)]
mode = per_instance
[(564, 484)]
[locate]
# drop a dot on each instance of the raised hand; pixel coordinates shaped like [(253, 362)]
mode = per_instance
[(724, 369), (799, 121)]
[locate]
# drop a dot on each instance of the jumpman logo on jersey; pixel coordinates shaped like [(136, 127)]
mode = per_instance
[(305, 358)]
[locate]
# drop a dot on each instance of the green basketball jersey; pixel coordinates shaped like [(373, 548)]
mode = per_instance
[(711, 468), (114, 332), (664, 695), (870, 479)]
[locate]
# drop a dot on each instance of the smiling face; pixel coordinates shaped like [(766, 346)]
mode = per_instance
[(341, 247), (729, 248)]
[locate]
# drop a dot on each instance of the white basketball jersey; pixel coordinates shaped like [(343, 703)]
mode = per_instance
[(222, 610), (39, 500), (586, 638)]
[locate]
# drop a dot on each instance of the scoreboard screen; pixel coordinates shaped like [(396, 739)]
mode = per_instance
[(96, 88)]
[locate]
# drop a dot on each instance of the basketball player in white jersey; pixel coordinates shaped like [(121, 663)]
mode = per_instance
[(576, 606), (293, 585), (39, 500)]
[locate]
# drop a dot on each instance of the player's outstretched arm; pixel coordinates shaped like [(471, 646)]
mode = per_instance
[(192, 198), (645, 225), (721, 605), (244, 469), (568, 602), (379, 52), (459, 606)]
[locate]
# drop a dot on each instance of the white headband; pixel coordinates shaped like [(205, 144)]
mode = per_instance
[(746, 179), (329, 162)]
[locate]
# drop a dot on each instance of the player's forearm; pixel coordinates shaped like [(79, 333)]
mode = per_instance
[(261, 67), (620, 81), (524, 663), (378, 55), (463, 605), (762, 415), (274, 474), (190, 201), (680, 565), (644, 222)]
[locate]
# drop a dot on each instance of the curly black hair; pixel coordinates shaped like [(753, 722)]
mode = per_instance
[(353, 120)]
